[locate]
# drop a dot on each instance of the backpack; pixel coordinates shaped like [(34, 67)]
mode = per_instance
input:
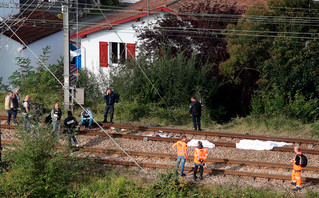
[(303, 160), (48, 119)]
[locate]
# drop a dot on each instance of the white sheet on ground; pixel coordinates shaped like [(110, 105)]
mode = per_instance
[(259, 145), (206, 143)]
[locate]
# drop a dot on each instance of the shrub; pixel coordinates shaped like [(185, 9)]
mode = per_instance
[(36, 168)]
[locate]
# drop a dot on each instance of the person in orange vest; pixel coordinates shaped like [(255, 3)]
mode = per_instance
[(181, 148), (200, 155), (296, 172)]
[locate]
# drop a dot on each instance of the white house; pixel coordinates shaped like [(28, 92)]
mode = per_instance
[(41, 30), (112, 40)]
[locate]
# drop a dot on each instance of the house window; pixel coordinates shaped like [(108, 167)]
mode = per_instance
[(119, 52)]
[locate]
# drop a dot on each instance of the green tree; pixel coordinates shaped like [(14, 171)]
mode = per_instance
[(274, 49), (36, 168)]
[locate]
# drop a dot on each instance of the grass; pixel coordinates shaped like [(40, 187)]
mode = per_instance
[(115, 182)]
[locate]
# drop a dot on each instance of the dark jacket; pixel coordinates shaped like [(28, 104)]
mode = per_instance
[(56, 114), (111, 98), (70, 122), (195, 108), (15, 102)]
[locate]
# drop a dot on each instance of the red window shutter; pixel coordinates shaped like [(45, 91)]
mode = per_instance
[(130, 50), (103, 54)]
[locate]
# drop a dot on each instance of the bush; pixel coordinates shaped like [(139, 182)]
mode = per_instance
[(294, 107), (36, 168)]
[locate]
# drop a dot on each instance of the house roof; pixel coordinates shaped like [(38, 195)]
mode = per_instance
[(40, 24), (140, 9)]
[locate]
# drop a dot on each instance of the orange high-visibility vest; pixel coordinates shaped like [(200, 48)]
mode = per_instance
[(181, 148), (200, 154), (297, 167)]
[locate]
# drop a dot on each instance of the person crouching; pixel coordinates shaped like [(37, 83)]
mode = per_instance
[(200, 155), (70, 124)]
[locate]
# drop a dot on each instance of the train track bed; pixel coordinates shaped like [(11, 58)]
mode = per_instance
[(103, 143), (96, 141)]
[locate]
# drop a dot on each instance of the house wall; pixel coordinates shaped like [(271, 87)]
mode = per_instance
[(8, 53), (13, 49), (9, 8), (55, 41), (90, 44)]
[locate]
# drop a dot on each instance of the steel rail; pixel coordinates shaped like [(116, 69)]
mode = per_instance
[(213, 133), (207, 133), (190, 158), (140, 137), (161, 155), (223, 144), (210, 170)]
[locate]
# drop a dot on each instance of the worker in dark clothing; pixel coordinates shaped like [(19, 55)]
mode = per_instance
[(111, 98), (195, 111), (70, 124)]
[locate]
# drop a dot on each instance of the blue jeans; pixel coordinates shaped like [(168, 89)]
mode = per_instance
[(86, 122), (26, 121), (107, 108), (54, 125), (74, 140), (179, 160)]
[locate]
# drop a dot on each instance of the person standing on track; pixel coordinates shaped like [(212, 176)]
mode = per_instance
[(16, 94), (111, 98), (296, 171), (200, 155), (56, 115), (11, 105), (86, 118), (25, 112), (181, 148), (195, 111)]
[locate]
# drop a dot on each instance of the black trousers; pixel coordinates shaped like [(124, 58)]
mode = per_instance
[(13, 113), (107, 109), (201, 170), (196, 120)]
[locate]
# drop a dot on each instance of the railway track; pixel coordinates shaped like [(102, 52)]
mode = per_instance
[(205, 133), (209, 161), (142, 137)]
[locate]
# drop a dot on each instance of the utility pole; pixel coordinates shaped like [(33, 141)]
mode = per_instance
[(66, 62)]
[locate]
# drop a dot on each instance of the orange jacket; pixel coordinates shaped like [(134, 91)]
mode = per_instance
[(181, 148), (297, 167), (200, 154)]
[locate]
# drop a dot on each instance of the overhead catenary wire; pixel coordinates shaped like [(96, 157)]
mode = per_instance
[(40, 61)]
